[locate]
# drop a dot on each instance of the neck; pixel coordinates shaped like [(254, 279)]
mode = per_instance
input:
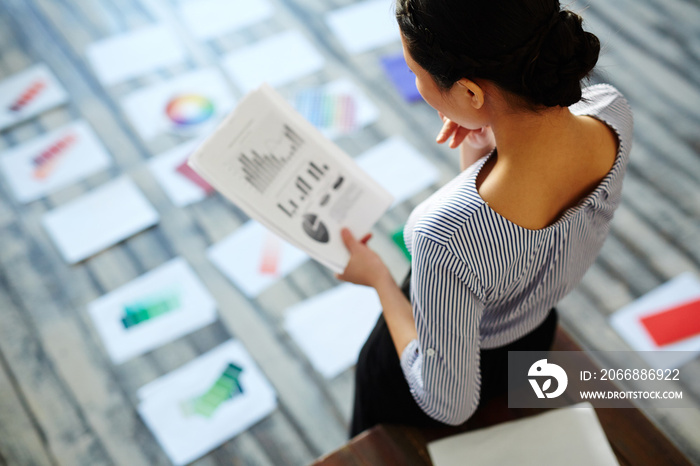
[(522, 136)]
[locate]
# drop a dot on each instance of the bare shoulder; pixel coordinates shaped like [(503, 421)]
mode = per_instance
[(536, 194)]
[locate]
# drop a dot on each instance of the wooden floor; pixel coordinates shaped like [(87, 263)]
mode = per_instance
[(61, 399)]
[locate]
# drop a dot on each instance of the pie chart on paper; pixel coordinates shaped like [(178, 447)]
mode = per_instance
[(315, 228)]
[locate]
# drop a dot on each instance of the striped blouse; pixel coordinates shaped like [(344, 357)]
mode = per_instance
[(481, 281)]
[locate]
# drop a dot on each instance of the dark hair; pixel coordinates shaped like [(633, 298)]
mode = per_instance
[(530, 48)]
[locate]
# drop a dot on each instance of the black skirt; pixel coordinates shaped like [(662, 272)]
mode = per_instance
[(382, 394)]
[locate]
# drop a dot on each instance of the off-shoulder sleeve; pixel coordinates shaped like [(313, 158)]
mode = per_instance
[(441, 366)]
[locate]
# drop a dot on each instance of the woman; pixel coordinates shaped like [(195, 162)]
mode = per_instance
[(498, 246)]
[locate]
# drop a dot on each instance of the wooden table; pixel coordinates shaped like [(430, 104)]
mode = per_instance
[(633, 437)]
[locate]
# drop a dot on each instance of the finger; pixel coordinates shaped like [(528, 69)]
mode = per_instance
[(480, 137), (348, 239), (459, 136), (366, 238), (447, 129)]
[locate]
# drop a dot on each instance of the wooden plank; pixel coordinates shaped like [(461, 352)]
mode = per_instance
[(96, 16), (664, 145), (645, 241), (627, 267), (382, 444), (64, 338), (675, 186), (243, 449), (646, 25), (600, 283), (21, 441), (132, 14), (670, 97), (76, 33), (62, 419), (278, 436), (677, 228), (342, 388)]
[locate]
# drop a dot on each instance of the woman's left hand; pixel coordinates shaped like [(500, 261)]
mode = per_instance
[(365, 266)]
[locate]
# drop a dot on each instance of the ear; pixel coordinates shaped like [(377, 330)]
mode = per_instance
[(473, 92)]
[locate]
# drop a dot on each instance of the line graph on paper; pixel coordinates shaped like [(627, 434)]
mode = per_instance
[(261, 167)]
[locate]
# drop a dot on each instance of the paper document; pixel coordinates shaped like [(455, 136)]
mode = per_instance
[(254, 258), (641, 320), (282, 172), (164, 304), (204, 403), (399, 168), (675, 323), (132, 54), (401, 76), (277, 60), (99, 219), (337, 108), (332, 326), (28, 93), (569, 436), (364, 26), (188, 105), (207, 19), (53, 161), (166, 169)]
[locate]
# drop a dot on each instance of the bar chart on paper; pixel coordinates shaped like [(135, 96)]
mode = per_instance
[(225, 388), (28, 95), (326, 110), (45, 162), (261, 169), (150, 308), (303, 187)]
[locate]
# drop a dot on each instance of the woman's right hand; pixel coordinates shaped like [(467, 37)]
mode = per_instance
[(478, 139)]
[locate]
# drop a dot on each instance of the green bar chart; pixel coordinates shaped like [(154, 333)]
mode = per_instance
[(149, 308), (226, 387)]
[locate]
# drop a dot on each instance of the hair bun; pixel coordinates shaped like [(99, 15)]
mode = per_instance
[(567, 54)]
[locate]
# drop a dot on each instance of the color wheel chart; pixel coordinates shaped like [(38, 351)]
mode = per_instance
[(188, 110), (261, 169), (226, 387), (328, 110), (46, 162), (150, 308), (29, 94)]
